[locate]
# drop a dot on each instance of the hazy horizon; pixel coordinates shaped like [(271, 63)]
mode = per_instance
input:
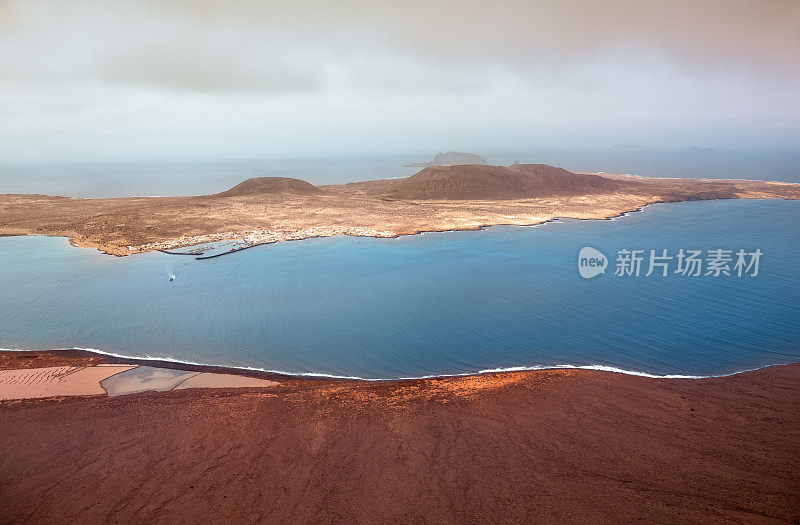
[(138, 80)]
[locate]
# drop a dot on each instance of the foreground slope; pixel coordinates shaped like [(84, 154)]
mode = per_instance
[(546, 446)]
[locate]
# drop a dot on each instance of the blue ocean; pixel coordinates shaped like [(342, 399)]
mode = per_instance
[(431, 304)]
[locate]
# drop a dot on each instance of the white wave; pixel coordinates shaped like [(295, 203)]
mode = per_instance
[(601, 368)]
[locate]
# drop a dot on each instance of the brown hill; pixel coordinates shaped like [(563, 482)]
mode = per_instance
[(271, 185), (497, 182)]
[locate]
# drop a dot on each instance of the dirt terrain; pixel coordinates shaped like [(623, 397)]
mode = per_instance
[(544, 446)]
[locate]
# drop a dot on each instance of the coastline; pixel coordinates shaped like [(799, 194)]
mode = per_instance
[(302, 237), (10, 358), (126, 226), (481, 227)]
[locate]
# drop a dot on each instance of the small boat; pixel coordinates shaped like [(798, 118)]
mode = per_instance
[(171, 277)]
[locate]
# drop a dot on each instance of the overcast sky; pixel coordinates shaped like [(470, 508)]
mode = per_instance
[(142, 79)]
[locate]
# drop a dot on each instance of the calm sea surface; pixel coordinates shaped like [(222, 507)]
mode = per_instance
[(438, 303)]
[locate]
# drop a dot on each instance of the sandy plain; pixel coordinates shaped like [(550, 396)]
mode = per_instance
[(125, 226)]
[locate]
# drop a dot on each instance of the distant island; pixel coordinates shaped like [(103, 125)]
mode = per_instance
[(437, 198), (451, 158)]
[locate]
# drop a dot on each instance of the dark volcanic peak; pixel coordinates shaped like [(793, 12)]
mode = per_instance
[(497, 182), (271, 185)]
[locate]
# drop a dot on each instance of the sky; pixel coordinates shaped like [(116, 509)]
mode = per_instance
[(140, 79)]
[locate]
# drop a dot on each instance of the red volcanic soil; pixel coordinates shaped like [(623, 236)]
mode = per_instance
[(271, 185), (13, 360), (547, 446), (498, 182)]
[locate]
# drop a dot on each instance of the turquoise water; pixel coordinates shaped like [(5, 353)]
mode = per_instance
[(439, 303)]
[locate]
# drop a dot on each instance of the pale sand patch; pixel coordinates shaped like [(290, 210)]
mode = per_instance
[(144, 378), (56, 381), (114, 380), (211, 380)]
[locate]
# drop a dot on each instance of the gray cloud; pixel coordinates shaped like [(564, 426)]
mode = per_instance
[(268, 71), (521, 31), (280, 46), (210, 73)]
